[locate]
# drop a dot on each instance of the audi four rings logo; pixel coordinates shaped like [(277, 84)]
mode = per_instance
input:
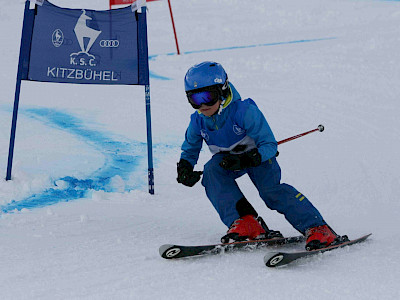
[(109, 43)]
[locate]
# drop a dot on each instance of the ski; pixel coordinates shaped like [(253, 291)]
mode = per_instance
[(278, 259), (169, 251)]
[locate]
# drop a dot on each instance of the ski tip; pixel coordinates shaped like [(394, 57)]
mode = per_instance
[(169, 251), (366, 236), (360, 239)]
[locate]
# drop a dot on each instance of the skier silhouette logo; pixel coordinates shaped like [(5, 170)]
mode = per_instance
[(57, 38), (82, 31)]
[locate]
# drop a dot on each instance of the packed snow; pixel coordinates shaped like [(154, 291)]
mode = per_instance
[(77, 222)]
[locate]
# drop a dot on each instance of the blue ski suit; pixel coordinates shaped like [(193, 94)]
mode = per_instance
[(239, 127)]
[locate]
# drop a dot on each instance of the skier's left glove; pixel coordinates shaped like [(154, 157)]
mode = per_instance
[(236, 162), (186, 175)]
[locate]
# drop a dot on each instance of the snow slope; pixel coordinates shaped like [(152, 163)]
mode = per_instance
[(77, 221)]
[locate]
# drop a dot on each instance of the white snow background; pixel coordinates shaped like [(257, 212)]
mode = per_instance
[(334, 62)]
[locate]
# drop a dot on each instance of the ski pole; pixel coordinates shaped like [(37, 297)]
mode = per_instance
[(320, 128)]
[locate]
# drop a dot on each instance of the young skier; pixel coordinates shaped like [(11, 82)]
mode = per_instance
[(241, 142)]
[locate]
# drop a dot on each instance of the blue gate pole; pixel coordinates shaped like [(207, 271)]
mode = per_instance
[(13, 129), (26, 37), (149, 141), (144, 80)]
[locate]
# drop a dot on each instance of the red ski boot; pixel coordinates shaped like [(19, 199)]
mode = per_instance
[(319, 237), (244, 228)]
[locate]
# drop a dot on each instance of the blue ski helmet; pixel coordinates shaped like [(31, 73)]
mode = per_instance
[(205, 74), (206, 83)]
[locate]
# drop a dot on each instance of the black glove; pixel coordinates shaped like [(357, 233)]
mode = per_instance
[(236, 162), (186, 175)]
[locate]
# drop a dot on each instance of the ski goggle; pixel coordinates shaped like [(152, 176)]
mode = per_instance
[(207, 97)]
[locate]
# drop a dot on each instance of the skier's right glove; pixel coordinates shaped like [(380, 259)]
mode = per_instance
[(186, 175)]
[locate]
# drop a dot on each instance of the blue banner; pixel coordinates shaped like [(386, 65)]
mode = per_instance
[(88, 46), (83, 46)]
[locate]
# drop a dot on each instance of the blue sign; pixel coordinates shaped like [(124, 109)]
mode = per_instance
[(87, 46), (83, 46)]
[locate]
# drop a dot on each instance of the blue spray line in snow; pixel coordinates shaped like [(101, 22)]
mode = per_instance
[(153, 57), (159, 77), (121, 158)]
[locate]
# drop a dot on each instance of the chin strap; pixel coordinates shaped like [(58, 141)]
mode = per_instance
[(225, 102), (221, 107)]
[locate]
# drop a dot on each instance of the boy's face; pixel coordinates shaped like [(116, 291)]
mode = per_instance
[(210, 110)]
